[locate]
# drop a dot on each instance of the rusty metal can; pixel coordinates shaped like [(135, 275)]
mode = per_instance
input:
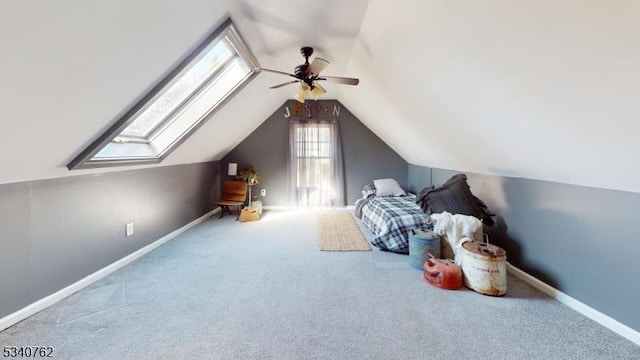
[(484, 268)]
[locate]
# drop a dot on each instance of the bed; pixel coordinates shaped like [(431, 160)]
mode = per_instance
[(391, 219), (391, 213)]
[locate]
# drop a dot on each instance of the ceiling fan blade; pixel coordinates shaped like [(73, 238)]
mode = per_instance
[(277, 72), (283, 84), (340, 80), (317, 65)]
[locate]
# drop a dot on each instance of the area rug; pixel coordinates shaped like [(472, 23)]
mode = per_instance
[(338, 231)]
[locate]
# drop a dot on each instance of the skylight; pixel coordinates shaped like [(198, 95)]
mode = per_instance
[(175, 108)]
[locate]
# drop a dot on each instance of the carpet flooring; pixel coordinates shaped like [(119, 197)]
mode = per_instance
[(262, 290)]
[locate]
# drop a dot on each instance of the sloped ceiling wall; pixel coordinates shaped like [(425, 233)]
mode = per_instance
[(533, 89), (71, 67), (541, 90)]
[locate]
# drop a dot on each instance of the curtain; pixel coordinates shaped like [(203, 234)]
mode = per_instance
[(316, 171)]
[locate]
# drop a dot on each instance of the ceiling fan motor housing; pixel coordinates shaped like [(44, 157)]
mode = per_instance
[(302, 71)]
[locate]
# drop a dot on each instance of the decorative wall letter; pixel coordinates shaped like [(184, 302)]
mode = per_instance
[(297, 109)]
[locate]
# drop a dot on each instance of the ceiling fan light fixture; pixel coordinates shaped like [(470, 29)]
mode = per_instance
[(302, 93), (317, 91)]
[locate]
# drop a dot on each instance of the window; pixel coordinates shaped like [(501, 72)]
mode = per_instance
[(316, 164), (177, 106), (313, 155)]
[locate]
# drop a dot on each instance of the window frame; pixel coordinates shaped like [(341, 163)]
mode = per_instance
[(86, 159), (320, 126)]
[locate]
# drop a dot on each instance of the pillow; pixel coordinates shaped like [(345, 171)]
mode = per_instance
[(454, 196), (388, 187), (368, 190)]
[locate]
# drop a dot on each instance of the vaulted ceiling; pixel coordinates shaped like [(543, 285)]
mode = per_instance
[(540, 90)]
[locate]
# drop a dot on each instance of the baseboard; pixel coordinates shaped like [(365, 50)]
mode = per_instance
[(277, 207), (595, 315), (45, 302), (287, 207)]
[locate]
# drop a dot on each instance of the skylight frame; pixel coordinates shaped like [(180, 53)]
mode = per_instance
[(143, 147), (206, 80)]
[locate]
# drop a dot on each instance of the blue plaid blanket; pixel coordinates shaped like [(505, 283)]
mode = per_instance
[(391, 219)]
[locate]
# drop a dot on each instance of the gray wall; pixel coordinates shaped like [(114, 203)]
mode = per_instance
[(580, 240), (55, 232), (418, 178), (365, 156)]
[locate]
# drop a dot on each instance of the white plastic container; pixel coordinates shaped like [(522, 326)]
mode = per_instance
[(484, 268)]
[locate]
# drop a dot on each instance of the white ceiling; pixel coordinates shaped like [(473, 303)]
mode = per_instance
[(540, 90)]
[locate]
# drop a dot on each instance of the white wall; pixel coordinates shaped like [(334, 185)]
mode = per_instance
[(533, 89)]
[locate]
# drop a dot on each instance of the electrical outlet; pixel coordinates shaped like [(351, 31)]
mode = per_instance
[(128, 229), (263, 192)]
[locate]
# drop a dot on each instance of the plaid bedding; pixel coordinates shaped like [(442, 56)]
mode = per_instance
[(391, 219)]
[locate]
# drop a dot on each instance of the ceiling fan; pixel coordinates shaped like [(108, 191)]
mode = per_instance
[(308, 74)]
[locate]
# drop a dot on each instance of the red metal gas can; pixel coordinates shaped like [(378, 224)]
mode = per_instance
[(442, 273)]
